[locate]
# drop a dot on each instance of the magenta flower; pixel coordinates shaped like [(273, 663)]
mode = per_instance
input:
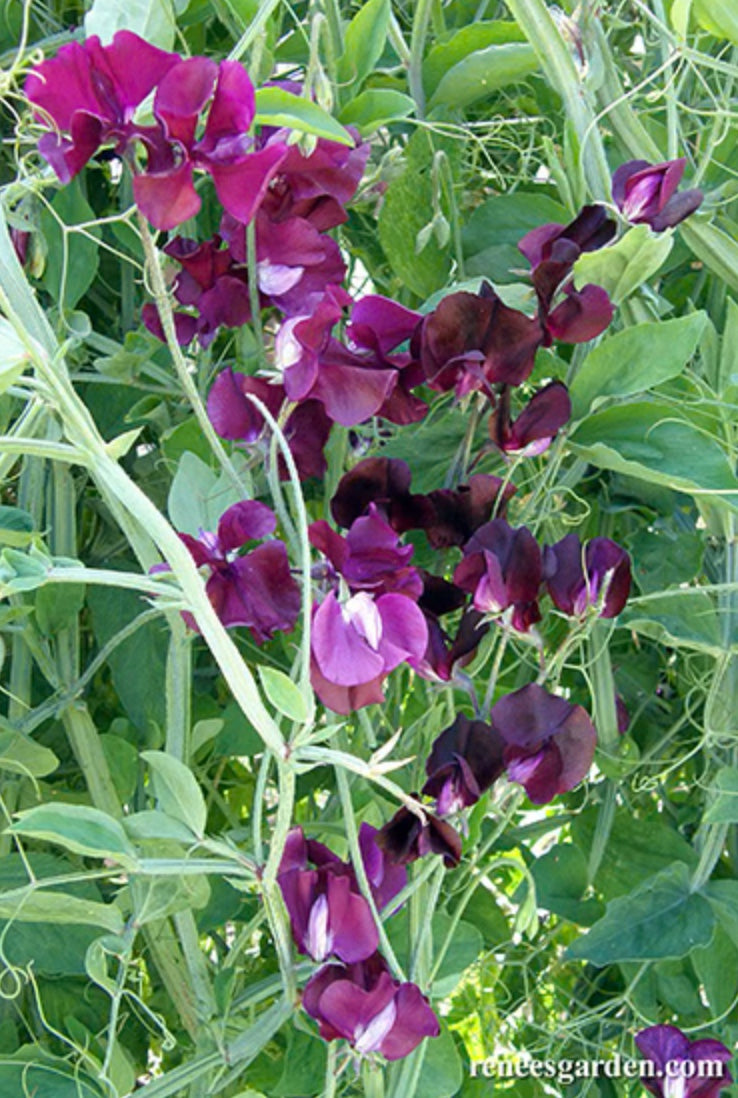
[(90, 93), (370, 557), (549, 743), (578, 576), (385, 878), (680, 1068), (537, 425), (374, 1013), (316, 187), (165, 192), (356, 644), (502, 569), (256, 589), (647, 193), (236, 418), (328, 915), (410, 835), (464, 761)]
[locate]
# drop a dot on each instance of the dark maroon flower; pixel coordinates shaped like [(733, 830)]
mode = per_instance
[(680, 1068), (409, 836), (328, 915), (316, 187), (549, 743), (464, 761), (256, 589), (382, 481), (165, 192), (236, 418), (536, 426), (370, 557), (89, 93), (472, 341), (502, 568), (446, 654), (647, 193), (386, 880), (622, 715), (364, 1005), (579, 576), (356, 644)]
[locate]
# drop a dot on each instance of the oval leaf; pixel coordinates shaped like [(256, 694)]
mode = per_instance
[(283, 694), (79, 828), (277, 107), (177, 791)]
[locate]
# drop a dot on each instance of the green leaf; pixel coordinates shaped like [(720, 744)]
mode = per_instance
[(277, 107), (304, 1066), (78, 828), (655, 442), (364, 43), (16, 525), (154, 824), (19, 754), (57, 606), (150, 19), (442, 1072), (560, 877), (686, 619), (44, 1077), (38, 906), (714, 247), (68, 281), (490, 237), (724, 809), (665, 556), (284, 695), (464, 949), (716, 966), (636, 359), (156, 898), (477, 36), (661, 918), (483, 72), (376, 107), (719, 17), (14, 356), (177, 791), (198, 496), (723, 898), (623, 267), (21, 571)]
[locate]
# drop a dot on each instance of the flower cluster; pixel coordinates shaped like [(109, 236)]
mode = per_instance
[(355, 996)]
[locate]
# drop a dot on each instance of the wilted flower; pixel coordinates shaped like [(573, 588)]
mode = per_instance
[(370, 557), (411, 835), (465, 760), (328, 914), (90, 93), (536, 426), (549, 743), (647, 193), (257, 589), (579, 576), (357, 643), (502, 569), (237, 418), (364, 1005), (682, 1068)]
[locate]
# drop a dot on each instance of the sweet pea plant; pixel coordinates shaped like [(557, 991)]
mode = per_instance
[(368, 389)]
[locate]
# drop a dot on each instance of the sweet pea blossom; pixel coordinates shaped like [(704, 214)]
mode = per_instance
[(255, 590), (357, 643), (537, 425), (683, 1068), (502, 569), (370, 557), (411, 835), (328, 914), (578, 576), (90, 92), (647, 193), (364, 1005), (464, 761), (549, 743)]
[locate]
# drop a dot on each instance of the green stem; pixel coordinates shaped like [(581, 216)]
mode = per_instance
[(421, 23), (270, 890), (255, 29)]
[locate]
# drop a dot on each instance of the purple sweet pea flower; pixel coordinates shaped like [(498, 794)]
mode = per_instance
[(255, 590), (316, 187), (165, 192), (465, 761), (578, 576), (411, 835), (502, 568), (355, 645), (236, 418), (681, 1068), (90, 93), (374, 1013), (549, 743), (537, 425), (370, 557), (328, 915), (386, 879), (446, 654), (647, 193)]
